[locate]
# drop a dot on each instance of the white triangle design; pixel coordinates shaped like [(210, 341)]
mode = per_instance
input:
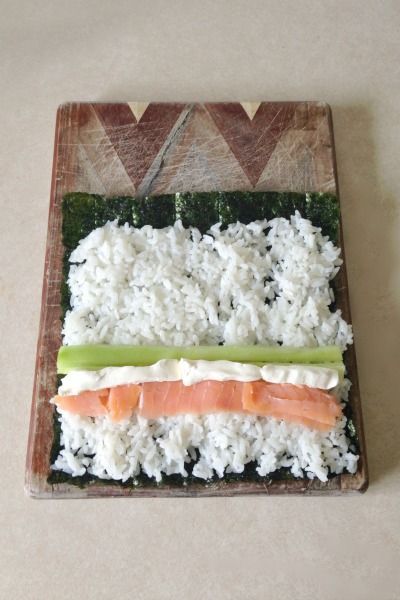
[(138, 109), (251, 108)]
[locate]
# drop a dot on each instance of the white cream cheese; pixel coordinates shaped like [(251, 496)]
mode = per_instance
[(79, 381), (194, 371), (317, 377)]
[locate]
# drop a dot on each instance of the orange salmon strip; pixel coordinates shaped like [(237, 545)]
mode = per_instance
[(118, 402), (86, 404), (296, 403), (300, 404), (171, 398), (123, 401)]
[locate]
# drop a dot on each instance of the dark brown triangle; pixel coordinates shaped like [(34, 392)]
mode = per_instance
[(252, 141), (137, 144)]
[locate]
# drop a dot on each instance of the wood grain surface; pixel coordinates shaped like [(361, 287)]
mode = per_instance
[(141, 148)]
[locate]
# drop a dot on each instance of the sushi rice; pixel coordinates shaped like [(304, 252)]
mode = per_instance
[(265, 282)]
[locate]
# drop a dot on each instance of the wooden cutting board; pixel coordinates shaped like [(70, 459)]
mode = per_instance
[(142, 148)]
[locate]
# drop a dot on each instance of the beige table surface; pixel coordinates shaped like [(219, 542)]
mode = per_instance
[(343, 52)]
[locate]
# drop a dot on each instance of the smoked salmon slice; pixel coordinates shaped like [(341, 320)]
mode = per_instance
[(85, 404), (300, 404), (169, 398), (123, 401), (118, 402), (297, 403)]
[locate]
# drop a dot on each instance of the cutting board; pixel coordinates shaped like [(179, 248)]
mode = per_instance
[(140, 148)]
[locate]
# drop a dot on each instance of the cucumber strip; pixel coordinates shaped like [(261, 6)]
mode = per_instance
[(95, 357)]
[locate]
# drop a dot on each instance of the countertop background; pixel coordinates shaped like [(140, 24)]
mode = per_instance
[(344, 52)]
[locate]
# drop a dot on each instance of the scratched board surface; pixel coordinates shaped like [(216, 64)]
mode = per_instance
[(137, 149)]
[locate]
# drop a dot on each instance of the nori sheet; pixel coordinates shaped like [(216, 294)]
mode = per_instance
[(84, 212)]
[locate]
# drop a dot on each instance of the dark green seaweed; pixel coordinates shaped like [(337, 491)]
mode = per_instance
[(244, 207), (323, 211), (84, 212), (197, 209), (158, 211), (118, 208)]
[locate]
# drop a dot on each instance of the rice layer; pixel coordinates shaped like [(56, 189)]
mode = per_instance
[(258, 283), (265, 282)]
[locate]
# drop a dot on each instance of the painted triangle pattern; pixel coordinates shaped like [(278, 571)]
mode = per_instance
[(141, 147)]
